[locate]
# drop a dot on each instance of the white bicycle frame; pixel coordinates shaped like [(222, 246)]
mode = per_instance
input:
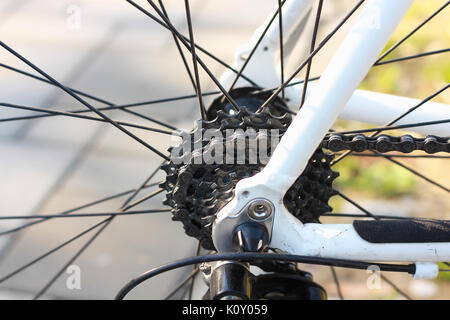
[(333, 95)]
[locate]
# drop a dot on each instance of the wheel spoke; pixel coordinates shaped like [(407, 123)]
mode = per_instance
[(311, 55), (82, 101), (104, 224), (82, 215), (353, 215), (125, 206), (182, 284), (393, 160), (191, 286), (143, 185), (395, 287), (390, 123), (151, 119), (280, 37), (189, 43), (426, 156), (247, 256), (410, 33), (76, 71), (416, 106), (84, 206), (75, 115), (194, 61), (247, 60), (34, 261), (32, 76), (415, 172), (403, 126), (336, 281), (419, 55), (167, 26), (186, 44), (358, 206), (111, 106), (59, 182), (143, 199), (290, 84), (180, 51), (313, 43)]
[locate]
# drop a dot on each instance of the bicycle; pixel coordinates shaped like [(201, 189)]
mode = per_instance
[(232, 202)]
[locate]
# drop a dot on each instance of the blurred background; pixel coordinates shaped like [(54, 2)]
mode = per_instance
[(113, 51)]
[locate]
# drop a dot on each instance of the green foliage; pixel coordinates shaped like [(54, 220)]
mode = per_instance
[(416, 77), (444, 276), (374, 178)]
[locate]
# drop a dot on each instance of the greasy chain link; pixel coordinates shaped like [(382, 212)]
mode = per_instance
[(385, 143)]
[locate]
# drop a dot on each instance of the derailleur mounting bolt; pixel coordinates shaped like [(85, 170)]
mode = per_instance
[(205, 268), (260, 209)]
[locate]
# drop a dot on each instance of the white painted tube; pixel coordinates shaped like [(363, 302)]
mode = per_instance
[(341, 241), (346, 70), (380, 108)]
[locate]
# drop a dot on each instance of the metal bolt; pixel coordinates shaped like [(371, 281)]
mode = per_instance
[(205, 268), (260, 209)]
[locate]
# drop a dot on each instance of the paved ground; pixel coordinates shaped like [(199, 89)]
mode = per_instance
[(52, 165), (48, 166)]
